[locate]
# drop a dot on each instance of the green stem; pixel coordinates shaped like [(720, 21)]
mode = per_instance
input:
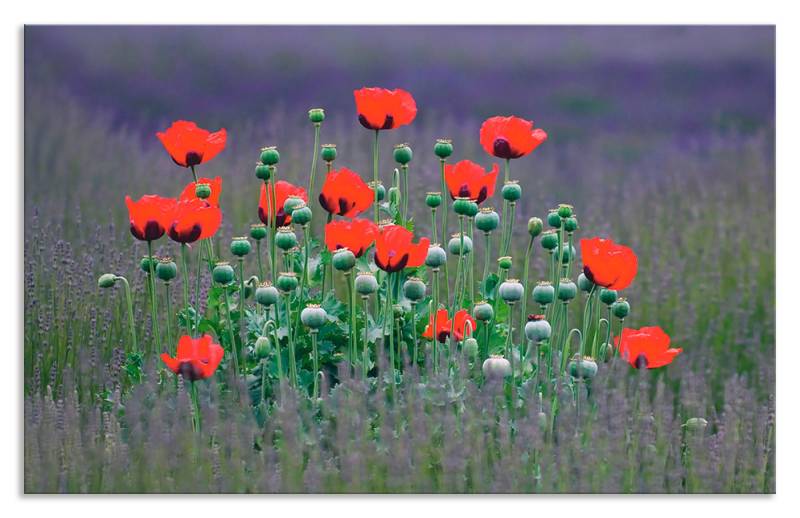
[(435, 320), (404, 169), (129, 303), (169, 313), (388, 317), (303, 276), (433, 224), (375, 150), (241, 301), (195, 403), (273, 223), (486, 258), (314, 161), (444, 228), (414, 331), (525, 272), (197, 290), (153, 307), (315, 353), (510, 340), (351, 302), (456, 290), (365, 357), (471, 261), (260, 263), (292, 360), (185, 272), (234, 348)]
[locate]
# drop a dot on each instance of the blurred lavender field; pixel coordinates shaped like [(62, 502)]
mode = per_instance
[(662, 138)]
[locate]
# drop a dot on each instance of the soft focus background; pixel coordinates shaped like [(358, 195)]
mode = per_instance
[(661, 137)]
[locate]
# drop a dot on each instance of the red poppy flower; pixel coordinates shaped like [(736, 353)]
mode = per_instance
[(466, 179), (150, 216), (194, 219), (381, 109), (510, 137), (282, 191), (197, 358), (395, 251), (356, 235), (646, 347), (443, 324), (608, 264), (216, 189), (189, 145), (345, 193)]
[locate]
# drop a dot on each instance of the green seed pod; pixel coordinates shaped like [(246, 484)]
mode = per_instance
[(472, 209), (470, 348), (266, 294), (107, 280), (571, 224), (223, 273), (567, 290), (144, 264), (461, 206), (483, 311), (302, 215), (567, 253), (436, 256), (549, 240), (166, 269), (537, 329), (287, 282), (343, 260), (381, 190), (240, 246), (285, 239), (263, 172), (535, 227), (512, 191), (496, 367), (564, 210), (414, 289), (553, 219), (443, 148), (258, 231), (433, 199), (366, 284), (328, 152), (511, 290), (202, 190), (403, 154), (608, 296), (394, 195), (544, 293), (291, 203), (621, 308), (696, 424), (582, 367), (262, 347), (454, 246), (584, 284), (505, 262), (313, 316), (316, 115), (487, 219), (270, 156)]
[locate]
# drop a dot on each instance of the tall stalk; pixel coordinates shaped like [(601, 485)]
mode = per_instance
[(153, 297), (185, 282), (375, 178)]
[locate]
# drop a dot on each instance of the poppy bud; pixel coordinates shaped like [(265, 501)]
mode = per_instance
[(472, 209), (394, 195), (240, 246), (621, 308), (582, 367), (487, 219), (461, 206), (144, 264), (483, 311), (285, 239), (564, 210), (567, 253), (343, 260), (106, 280), (549, 240), (266, 294), (414, 289), (262, 347), (571, 224), (455, 244), (287, 281), (403, 154), (496, 367), (544, 293), (436, 256), (223, 273), (270, 155), (567, 290), (263, 172), (696, 424), (537, 329), (258, 231), (366, 283), (535, 226), (470, 348), (553, 219), (328, 152), (605, 352), (608, 296), (292, 202), (512, 191), (511, 290), (433, 199), (381, 190), (443, 148), (316, 115), (166, 269), (302, 215), (504, 262), (584, 284), (202, 190), (313, 316)]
